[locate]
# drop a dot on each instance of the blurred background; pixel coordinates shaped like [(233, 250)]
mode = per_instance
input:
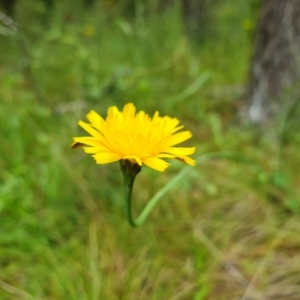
[(229, 70)]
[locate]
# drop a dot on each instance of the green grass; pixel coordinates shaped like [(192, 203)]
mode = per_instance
[(63, 233)]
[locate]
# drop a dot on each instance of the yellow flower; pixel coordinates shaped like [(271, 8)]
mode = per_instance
[(127, 135)]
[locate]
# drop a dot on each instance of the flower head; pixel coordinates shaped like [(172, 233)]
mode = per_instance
[(136, 137)]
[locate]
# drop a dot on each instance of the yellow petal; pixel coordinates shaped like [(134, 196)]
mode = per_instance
[(89, 141), (180, 151), (105, 158), (176, 129), (134, 158), (178, 138), (156, 163), (165, 155), (95, 119), (187, 160), (112, 113), (129, 111), (170, 123), (87, 127), (94, 150), (155, 116)]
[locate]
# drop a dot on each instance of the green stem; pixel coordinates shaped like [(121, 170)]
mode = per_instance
[(128, 185), (129, 180)]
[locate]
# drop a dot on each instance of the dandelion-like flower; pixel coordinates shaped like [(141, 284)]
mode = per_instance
[(134, 137)]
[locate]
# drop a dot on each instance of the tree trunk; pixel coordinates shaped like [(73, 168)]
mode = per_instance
[(276, 60)]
